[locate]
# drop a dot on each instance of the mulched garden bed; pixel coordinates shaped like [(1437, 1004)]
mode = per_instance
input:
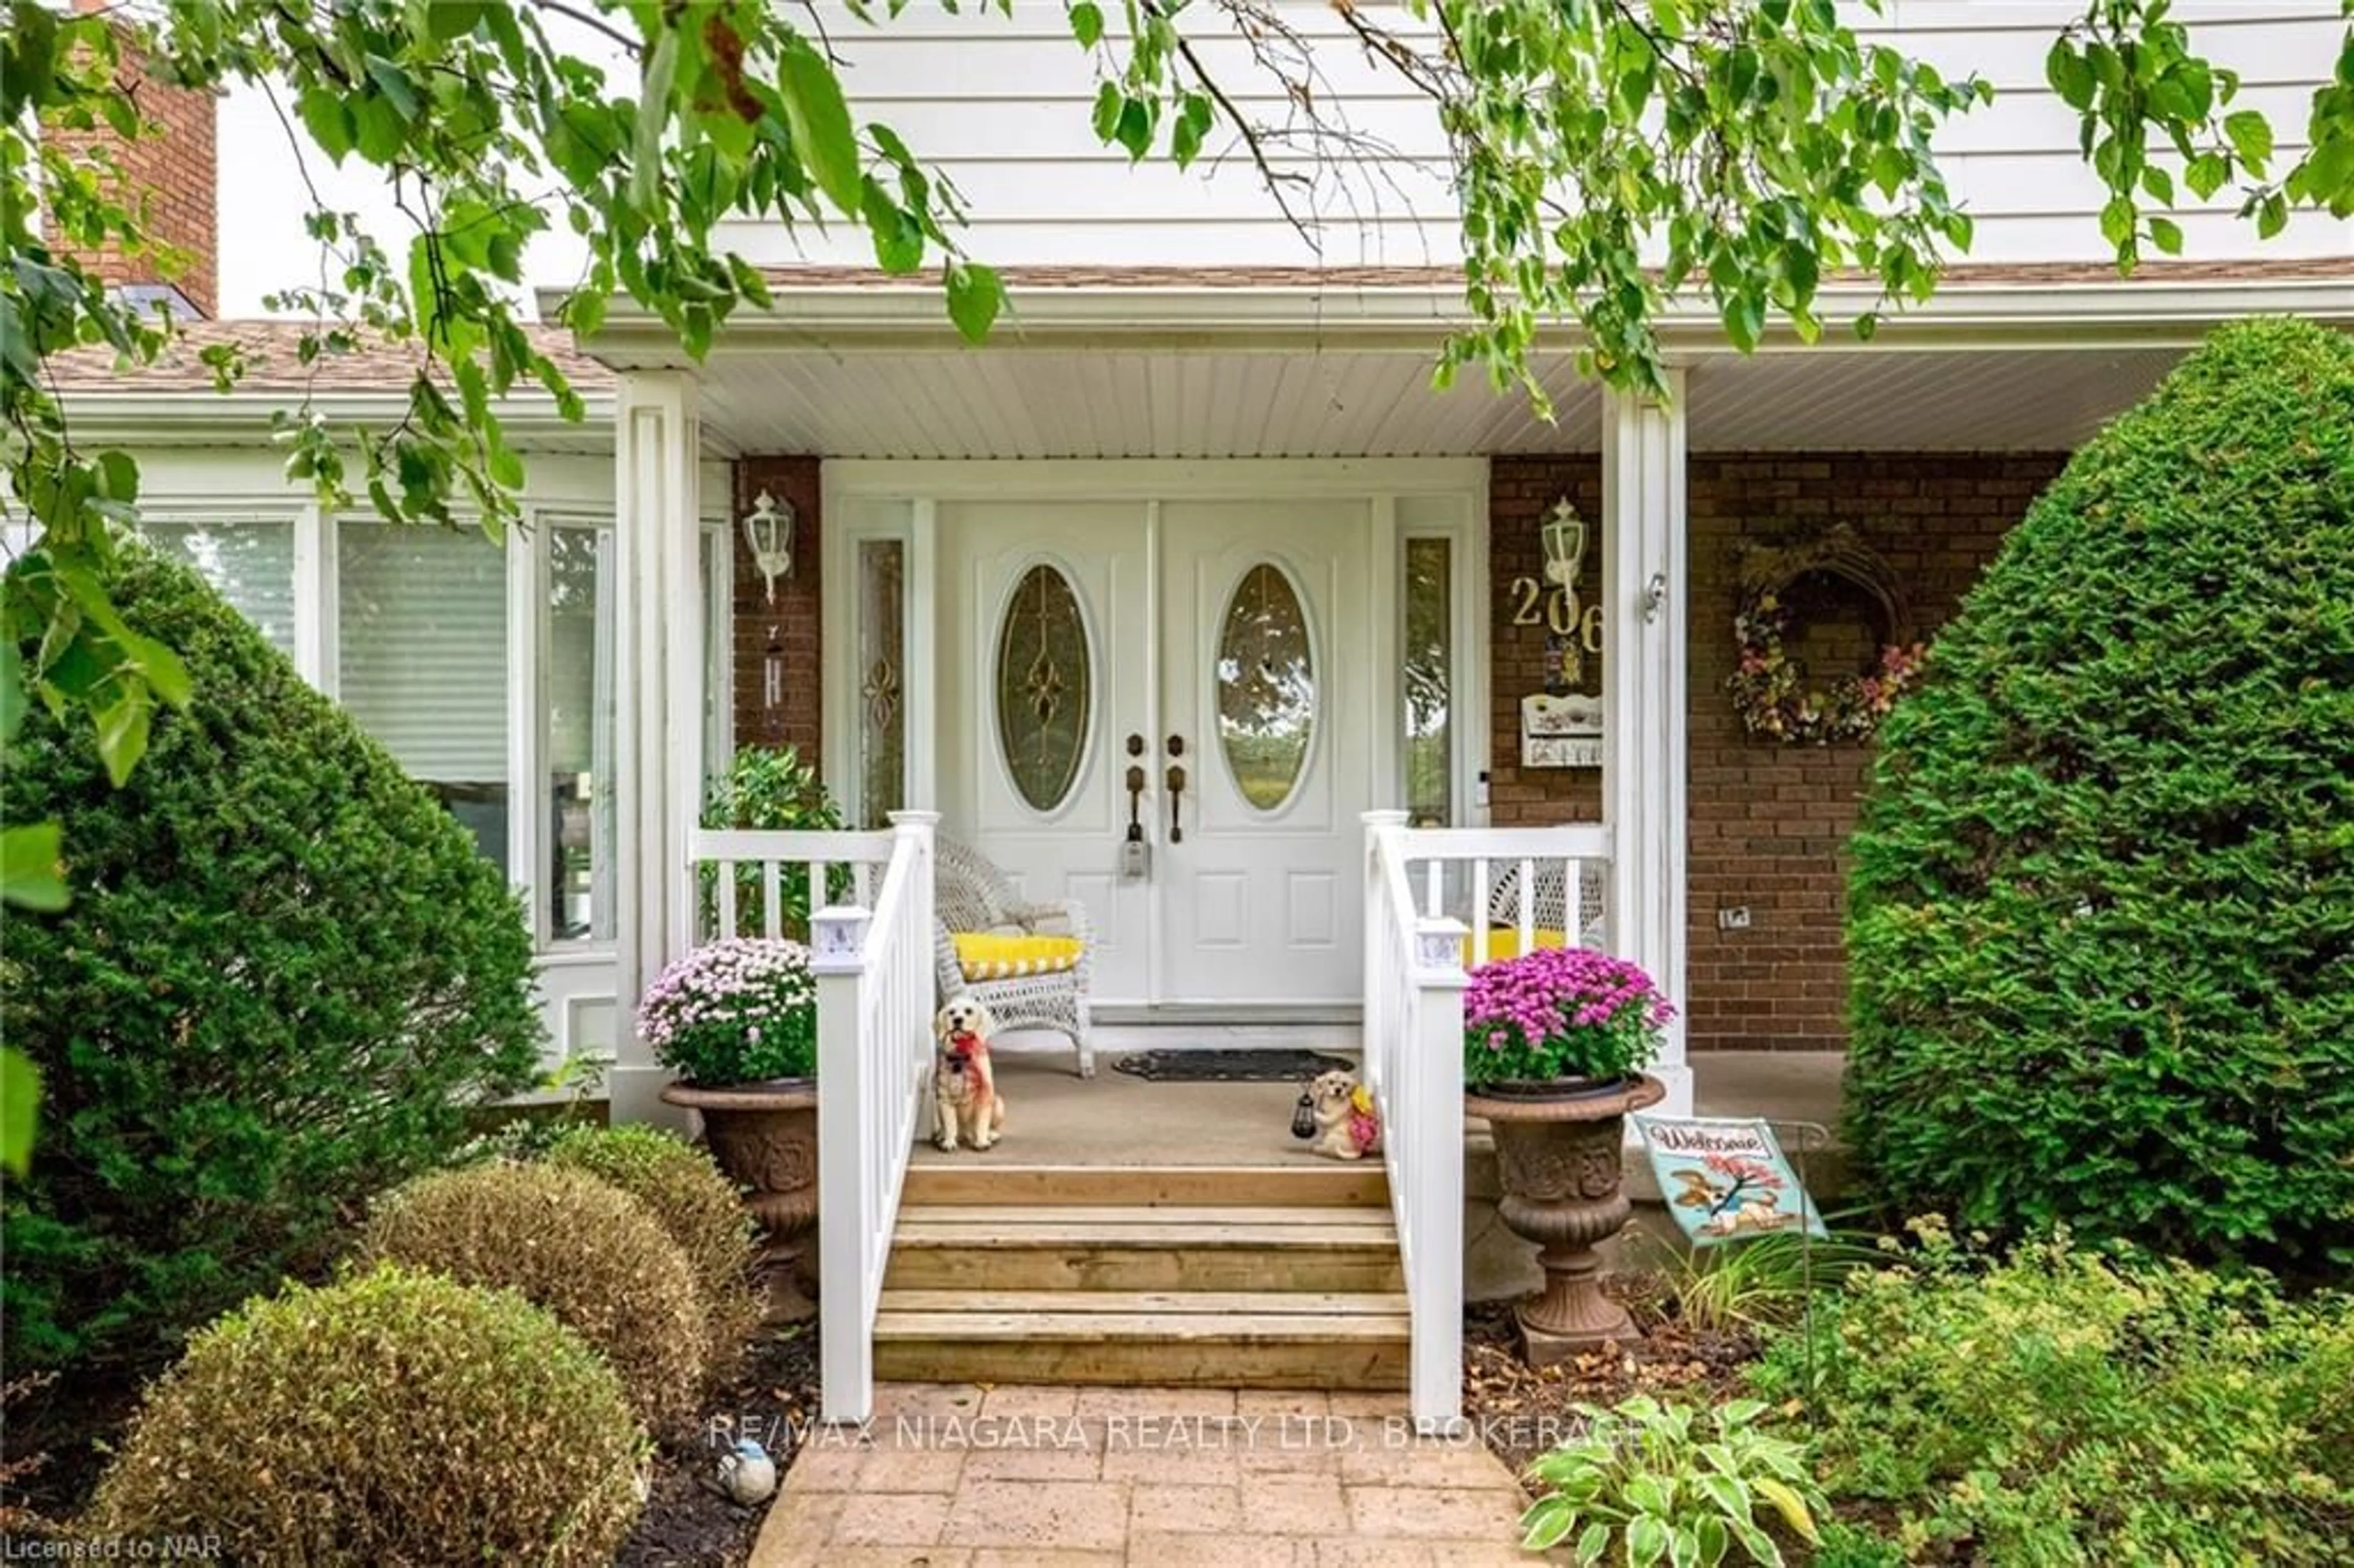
[(773, 1398), (1514, 1405)]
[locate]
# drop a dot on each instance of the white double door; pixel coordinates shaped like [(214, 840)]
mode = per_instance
[(1192, 676)]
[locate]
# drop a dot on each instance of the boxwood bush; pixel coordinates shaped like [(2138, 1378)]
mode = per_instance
[(285, 976), (589, 1253), (2101, 921), (697, 1207), (391, 1418)]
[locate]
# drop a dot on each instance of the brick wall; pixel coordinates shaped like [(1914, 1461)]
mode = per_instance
[(174, 167), (1768, 822), (789, 628)]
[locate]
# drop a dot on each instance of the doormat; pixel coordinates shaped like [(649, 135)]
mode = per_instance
[(1230, 1067)]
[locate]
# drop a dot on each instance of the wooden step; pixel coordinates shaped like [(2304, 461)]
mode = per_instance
[(980, 1180), (1142, 1247), (1252, 1338)]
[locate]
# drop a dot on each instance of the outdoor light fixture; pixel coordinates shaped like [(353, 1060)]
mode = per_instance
[(768, 529), (1563, 537)]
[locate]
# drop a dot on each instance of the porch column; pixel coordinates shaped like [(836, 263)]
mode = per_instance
[(1644, 766), (658, 705)]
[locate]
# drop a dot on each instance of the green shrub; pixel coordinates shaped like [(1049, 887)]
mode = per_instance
[(771, 788), (1669, 1484), (589, 1253), (285, 977), (697, 1207), (2061, 1407), (2101, 923), (391, 1418)]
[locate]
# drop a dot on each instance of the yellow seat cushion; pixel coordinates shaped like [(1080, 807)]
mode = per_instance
[(1504, 942), (987, 955)]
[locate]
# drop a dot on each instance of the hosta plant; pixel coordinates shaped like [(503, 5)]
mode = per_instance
[(1663, 1483)]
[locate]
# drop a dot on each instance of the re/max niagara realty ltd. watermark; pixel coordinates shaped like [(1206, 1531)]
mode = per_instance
[(1140, 1433)]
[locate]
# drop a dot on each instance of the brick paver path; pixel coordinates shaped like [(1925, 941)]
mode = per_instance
[(951, 1476)]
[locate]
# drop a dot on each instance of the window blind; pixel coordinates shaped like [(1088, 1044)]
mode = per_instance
[(422, 623), (249, 564)]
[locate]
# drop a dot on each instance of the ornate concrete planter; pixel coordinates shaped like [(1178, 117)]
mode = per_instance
[(764, 1136), (1558, 1145)]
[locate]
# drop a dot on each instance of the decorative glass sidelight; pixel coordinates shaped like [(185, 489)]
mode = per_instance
[(1267, 687), (882, 693), (1427, 681), (1044, 678)]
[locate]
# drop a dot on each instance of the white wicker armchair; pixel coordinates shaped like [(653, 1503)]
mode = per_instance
[(1549, 902), (972, 895)]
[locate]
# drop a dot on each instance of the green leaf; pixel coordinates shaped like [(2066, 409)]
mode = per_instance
[(447, 19), (2251, 135), (122, 735), (1715, 1538), (2167, 235), (1086, 23), (15, 702), (329, 120), (1593, 1542), (2071, 74), (1788, 1504), (29, 854), (653, 113), (1546, 1523), (976, 293), (393, 83), (819, 119), (1647, 1539), (1729, 1495), (20, 1104)]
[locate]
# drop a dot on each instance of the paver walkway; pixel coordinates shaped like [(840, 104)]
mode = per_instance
[(952, 1475)]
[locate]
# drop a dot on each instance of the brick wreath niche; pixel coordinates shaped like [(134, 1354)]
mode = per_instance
[(793, 624), (1768, 823)]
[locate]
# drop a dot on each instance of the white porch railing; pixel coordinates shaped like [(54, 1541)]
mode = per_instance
[(872, 954), (874, 1058), (1427, 890)]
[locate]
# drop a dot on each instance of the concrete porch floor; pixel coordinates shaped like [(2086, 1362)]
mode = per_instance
[(1056, 1118)]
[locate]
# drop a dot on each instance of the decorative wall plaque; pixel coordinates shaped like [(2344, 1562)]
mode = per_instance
[(1561, 732)]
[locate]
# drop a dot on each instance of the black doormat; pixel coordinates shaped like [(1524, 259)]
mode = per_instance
[(1230, 1067)]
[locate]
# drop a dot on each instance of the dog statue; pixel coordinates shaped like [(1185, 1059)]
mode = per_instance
[(1337, 1113), (964, 1089)]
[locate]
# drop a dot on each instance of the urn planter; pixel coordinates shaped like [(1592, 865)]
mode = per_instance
[(1558, 1148), (764, 1136)]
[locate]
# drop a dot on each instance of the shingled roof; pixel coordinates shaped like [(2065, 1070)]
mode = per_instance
[(272, 363)]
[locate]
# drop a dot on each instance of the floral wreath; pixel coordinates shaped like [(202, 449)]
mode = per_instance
[(1770, 691)]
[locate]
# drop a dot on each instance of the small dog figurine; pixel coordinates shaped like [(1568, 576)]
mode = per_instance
[(964, 1090), (1346, 1125)]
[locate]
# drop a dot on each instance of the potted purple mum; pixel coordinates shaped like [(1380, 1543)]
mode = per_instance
[(1553, 1044), (737, 1019)]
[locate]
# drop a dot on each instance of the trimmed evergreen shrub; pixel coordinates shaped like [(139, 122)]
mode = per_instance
[(699, 1210), (285, 976), (589, 1253), (2101, 924), (393, 1417)]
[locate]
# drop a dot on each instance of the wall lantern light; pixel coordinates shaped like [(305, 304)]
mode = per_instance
[(1563, 537), (768, 529)]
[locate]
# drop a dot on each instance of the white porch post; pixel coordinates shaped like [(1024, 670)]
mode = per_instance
[(658, 704), (1645, 777)]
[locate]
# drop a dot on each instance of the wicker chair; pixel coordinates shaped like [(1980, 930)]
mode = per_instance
[(972, 895), (1549, 902)]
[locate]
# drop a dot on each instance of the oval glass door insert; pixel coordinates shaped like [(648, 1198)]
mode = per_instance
[(1044, 677), (1267, 687)]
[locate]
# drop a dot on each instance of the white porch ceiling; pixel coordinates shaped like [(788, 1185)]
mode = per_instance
[(1043, 403)]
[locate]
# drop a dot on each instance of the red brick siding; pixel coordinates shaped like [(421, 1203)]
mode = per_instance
[(790, 627), (1768, 823), (174, 167)]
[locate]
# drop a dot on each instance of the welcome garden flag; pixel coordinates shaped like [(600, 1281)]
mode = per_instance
[(1726, 1178)]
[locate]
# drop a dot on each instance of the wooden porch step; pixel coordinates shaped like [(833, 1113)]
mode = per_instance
[(1254, 1338), (1146, 1248), (980, 1180)]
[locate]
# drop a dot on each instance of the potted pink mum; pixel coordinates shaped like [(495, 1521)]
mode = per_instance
[(1553, 1044), (737, 1019)]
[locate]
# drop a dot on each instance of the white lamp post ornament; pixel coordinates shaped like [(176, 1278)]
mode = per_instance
[(768, 530), (1563, 537)]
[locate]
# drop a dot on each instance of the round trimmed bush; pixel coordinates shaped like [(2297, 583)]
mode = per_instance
[(2101, 923), (589, 1253), (285, 976), (393, 1417), (696, 1206)]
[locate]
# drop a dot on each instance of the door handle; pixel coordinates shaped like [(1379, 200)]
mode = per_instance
[(1176, 803), (1135, 802)]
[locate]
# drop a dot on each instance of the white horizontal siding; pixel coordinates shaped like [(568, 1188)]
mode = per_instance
[(1002, 105)]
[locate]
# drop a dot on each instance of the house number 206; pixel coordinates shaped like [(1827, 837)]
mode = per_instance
[(1560, 613)]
